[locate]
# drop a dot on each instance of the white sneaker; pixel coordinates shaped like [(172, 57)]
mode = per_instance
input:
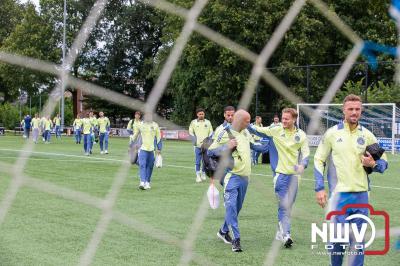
[(147, 185), (141, 186), (279, 236), (102, 152), (198, 178), (106, 151), (203, 176)]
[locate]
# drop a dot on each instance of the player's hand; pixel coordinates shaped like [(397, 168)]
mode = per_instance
[(321, 198), (232, 143), (158, 152), (299, 169), (368, 161)]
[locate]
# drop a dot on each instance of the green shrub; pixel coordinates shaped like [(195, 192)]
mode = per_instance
[(9, 115)]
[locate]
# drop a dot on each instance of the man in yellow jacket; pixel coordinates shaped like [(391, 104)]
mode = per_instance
[(238, 141), (78, 129), (87, 128), (199, 129), (104, 129), (47, 129), (57, 125), (342, 152), (151, 142), (289, 154)]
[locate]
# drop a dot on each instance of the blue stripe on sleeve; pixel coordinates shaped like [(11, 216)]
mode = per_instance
[(263, 148), (273, 156), (319, 180), (381, 166), (305, 161), (253, 131)]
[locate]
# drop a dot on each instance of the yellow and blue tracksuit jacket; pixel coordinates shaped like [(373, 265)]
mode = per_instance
[(199, 130), (150, 136), (340, 151), (287, 148), (104, 124)]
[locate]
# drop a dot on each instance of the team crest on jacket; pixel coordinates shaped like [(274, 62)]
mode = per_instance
[(297, 138), (361, 141)]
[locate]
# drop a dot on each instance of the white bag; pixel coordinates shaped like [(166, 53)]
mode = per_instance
[(158, 161), (213, 196)]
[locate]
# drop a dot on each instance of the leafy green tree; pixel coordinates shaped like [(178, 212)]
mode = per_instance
[(211, 77), (379, 92), (129, 34), (31, 37), (9, 115), (11, 13)]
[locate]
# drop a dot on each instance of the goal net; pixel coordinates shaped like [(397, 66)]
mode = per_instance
[(382, 119)]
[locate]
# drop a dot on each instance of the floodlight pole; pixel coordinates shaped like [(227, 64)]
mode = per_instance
[(20, 107), (393, 126), (63, 63), (366, 83), (257, 100)]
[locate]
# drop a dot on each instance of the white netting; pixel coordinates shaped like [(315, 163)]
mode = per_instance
[(190, 16)]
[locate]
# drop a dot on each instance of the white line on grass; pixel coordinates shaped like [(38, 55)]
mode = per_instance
[(106, 216), (167, 165), (53, 159), (82, 197), (19, 166)]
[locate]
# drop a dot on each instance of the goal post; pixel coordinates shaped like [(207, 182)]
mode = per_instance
[(382, 119)]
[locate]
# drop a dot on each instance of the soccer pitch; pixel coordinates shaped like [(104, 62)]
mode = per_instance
[(45, 229)]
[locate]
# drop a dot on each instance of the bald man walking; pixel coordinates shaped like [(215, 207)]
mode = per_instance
[(237, 141)]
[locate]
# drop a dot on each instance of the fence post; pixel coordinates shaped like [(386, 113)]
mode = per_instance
[(366, 83)]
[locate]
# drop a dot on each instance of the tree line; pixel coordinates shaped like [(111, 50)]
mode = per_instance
[(131, 41)]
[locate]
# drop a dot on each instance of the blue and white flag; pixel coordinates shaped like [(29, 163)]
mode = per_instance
[(371, 50), (394, 11)]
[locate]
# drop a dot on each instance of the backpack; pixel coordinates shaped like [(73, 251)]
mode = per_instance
[(211, 162), (134, 154)]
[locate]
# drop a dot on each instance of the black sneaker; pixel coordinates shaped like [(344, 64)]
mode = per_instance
[(288, 241), (236, 245), (224, 237)]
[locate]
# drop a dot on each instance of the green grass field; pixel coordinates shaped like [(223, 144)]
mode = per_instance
[(45, 229)]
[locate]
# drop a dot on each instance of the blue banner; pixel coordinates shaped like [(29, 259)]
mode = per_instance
[(386, 143)]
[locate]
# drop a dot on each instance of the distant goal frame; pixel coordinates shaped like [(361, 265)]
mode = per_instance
[(393, 105)]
